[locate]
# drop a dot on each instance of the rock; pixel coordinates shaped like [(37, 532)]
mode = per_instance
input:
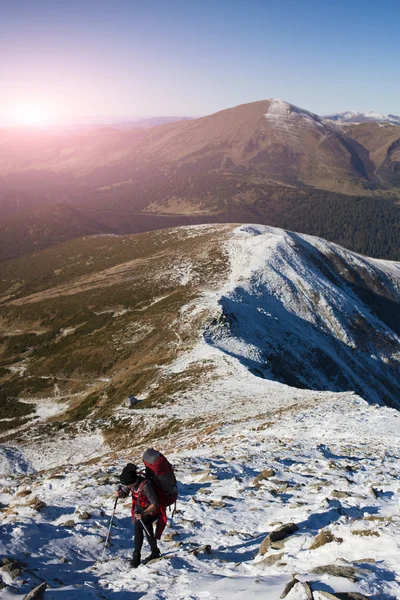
[(271, 559), (168, 537), (265, 474), (206, 549), (208, 477), (15, 573), (278, 545), (205, 491), (352, 596), (337, 571), (12, 566), (366, 533), (282, 489), (308, 590), (217, 504), (327, 595), (374, 492), (340, 494), (367, 560), (278, 534), (324, 537), (288, 587), (63, 559), (38, 504), (85, 515), (69, 523), (23, 493), (37, 593)]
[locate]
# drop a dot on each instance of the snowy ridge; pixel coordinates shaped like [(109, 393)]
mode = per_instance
[(295, 309), (351, 116)]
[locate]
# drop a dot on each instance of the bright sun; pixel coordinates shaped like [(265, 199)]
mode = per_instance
[(35, 115)]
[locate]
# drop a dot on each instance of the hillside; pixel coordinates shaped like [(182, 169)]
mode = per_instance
[(87, 323), (245, 345), (254, 162)]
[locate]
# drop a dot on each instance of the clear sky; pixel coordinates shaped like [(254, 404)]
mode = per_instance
[(115, 59)]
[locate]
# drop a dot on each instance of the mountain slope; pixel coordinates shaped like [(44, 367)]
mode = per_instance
[(268, 161), (273, 139), (90, 322), (303, 459), (214, 329), (383, 144)]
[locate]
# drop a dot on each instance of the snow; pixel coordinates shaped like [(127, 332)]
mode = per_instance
[(352, 116), (333, 443), (336, 457), (285, 116)]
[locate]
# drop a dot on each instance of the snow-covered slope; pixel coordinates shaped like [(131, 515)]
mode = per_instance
[(306, 312), (334, 464), (288, 307)]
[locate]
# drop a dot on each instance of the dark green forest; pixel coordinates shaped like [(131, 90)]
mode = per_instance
[(366, 224)]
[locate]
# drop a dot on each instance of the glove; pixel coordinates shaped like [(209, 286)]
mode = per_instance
[(120, 493)]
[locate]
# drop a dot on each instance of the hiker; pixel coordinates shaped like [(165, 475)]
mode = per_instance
[(146, 510)]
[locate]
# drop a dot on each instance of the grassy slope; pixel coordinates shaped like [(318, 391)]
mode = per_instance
[(99, 317)]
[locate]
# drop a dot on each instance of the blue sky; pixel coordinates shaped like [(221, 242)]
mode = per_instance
[(118, 59)]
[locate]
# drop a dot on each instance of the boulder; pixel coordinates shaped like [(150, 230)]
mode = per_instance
[(288, 587), (265, 474), (37, 504), (69, 523), (340, 494), (23, 493), (351, 573), (15, 573), (85, 515), (324, 537), (278, 534), (271, 559), (37, 593)]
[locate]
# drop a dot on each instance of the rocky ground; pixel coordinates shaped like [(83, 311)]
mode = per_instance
[(301, 501)]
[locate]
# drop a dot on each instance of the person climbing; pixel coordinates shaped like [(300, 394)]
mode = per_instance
[(146, 510)]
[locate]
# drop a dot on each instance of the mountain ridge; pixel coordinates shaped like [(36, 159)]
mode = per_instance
[(243, 163)]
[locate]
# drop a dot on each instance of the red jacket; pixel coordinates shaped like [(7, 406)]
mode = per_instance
[(141, 501)]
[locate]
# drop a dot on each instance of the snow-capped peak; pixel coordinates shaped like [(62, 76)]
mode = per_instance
[(351, 116), (283, 114)]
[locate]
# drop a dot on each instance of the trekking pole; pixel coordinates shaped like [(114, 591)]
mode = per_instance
[(109, 528), (146, 530)]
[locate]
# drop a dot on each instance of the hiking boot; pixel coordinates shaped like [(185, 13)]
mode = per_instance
[(135, 560), (155, 554)]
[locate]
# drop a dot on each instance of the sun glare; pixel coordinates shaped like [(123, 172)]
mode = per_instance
[(33, 115)]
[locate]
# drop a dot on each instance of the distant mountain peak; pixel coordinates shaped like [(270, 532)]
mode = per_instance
[(284, 115), (351, 116)]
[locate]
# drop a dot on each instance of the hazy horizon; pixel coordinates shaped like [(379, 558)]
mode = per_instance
[(68, 63)]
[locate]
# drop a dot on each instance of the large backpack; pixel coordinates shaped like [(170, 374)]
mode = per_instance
[(161, 474)]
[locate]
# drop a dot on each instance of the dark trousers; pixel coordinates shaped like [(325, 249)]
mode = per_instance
[(148, 520)]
